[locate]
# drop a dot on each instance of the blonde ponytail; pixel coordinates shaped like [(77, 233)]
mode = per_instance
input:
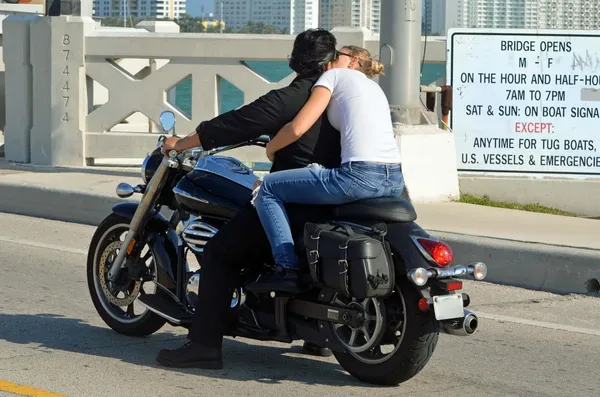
[(376, 68), (366, 63)]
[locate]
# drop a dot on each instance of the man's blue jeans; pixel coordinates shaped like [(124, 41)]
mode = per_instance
[(317, 185)]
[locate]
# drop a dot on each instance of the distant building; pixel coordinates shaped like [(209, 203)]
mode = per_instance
[(164, 9), (426, 17), (434, 15), (354, 13), (235, 13), (524, 14), (304, 14), (292, 16)]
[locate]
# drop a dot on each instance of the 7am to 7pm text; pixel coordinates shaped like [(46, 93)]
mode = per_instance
[(535, 95)]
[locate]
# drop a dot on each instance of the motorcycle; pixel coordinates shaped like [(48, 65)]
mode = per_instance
[(381, 290)]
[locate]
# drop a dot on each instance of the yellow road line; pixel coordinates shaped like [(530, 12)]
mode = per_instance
[(21, 390)]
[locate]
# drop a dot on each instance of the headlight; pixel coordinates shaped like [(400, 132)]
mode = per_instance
[(150, 165), (144, 166)]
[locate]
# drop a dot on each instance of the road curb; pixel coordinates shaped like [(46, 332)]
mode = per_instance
[(59, 205), (535, 266)]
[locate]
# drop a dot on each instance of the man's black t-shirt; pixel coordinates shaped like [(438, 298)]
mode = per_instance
[(266, 116)]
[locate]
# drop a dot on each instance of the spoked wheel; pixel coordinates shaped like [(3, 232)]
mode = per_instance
[(401, 350), (358, 340), (117, 302)]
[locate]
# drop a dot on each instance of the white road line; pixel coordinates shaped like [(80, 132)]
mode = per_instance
[(535, 323), (43, 245)]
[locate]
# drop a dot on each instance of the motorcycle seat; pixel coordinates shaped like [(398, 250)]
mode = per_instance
[(383, 209)]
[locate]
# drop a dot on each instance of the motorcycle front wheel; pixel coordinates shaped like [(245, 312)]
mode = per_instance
[(116, 302)]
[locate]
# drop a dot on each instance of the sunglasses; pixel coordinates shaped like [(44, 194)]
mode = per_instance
[(338, 53)]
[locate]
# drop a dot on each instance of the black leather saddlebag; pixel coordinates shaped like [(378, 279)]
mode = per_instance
[(354, 262)]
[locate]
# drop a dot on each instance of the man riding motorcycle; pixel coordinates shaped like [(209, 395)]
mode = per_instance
[(242, 241)]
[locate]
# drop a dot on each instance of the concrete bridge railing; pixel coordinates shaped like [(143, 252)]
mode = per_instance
[(76, 91)]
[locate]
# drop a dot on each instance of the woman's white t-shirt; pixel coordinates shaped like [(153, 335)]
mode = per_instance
[(360, 110)]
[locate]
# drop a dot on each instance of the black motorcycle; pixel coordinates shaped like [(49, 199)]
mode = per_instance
[(382, 288)]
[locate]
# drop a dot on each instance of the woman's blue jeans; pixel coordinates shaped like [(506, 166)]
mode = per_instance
[(317, 185)]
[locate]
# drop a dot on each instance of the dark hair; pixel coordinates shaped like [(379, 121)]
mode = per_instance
[(313, 50)]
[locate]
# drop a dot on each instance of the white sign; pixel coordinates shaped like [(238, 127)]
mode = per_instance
[(525, 101)]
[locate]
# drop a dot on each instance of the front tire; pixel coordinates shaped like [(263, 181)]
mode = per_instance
[(124, 322), (419, 333)]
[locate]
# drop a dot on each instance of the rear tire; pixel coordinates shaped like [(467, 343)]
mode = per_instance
[(144, 325), (418, 342)]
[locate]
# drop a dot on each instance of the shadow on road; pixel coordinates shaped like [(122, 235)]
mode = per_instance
[(243, 362)]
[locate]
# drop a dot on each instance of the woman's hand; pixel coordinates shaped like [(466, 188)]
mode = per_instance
[(170, 144), (257, 183), (306, 118)]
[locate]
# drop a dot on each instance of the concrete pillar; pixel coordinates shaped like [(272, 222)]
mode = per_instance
[(428, 153), (18, 86), (59, 84), (350, 36), (2, 98), (400, 53)]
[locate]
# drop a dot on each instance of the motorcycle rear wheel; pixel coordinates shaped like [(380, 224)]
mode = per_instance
[(124, 322), (415, 335)]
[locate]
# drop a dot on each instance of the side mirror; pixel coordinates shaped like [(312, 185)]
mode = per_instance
[(263, 139), (167, 120)]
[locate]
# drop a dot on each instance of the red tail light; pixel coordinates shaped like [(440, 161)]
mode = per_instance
[(450, 286), (440, 253), (423, 305)]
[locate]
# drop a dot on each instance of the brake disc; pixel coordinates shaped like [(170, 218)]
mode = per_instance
[(108, 288)]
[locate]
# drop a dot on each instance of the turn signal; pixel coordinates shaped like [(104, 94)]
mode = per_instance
[(419, 276), (479, 271), (441, 253), (130, 246)]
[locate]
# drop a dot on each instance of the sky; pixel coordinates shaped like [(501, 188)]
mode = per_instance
[(194, 7)]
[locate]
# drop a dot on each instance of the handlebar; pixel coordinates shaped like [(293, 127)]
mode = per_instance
[(180, 159)]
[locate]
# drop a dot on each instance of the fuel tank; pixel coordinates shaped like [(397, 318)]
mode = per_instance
[(218, 187)]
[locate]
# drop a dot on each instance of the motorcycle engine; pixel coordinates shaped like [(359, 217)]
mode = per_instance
[(191, 292)]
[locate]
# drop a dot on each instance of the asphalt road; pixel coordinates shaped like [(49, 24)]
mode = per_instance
[(529, 343)]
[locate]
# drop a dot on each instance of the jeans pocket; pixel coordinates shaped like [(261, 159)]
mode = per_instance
[(396, 191), (360, 190), (399, 190)]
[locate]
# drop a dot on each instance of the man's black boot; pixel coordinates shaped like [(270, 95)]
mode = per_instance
[(191, 355), (280, 279), (314, 350)]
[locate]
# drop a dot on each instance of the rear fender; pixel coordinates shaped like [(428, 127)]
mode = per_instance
[(163, 242), (406, 254)]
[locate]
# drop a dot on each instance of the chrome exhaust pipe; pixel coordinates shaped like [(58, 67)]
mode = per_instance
[(465, 326)]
